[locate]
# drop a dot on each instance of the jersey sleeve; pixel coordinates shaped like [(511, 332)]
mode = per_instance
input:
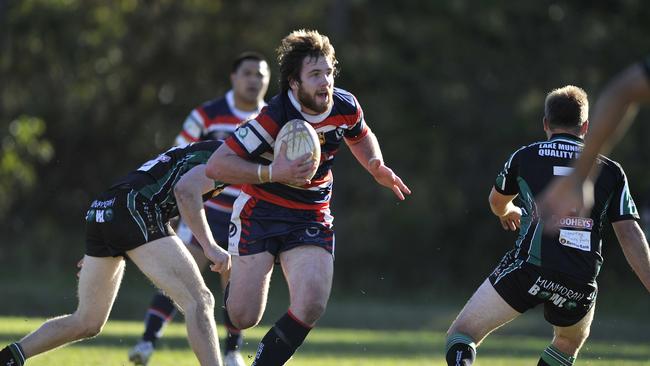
[(622, 206), (358, 128), (506, 181), (193, 128), (255, 137)]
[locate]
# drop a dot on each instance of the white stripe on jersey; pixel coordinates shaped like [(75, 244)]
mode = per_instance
[(248, 138), (626, 198), (562, 170), (235, 223), (231, 191), (265, 135), (222, 127)]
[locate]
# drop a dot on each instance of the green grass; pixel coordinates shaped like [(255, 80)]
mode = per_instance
[(325, 346)]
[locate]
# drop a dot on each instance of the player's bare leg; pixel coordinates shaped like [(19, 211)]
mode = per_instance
[(99, 282), (308, 270), (484, 312), (250, 277), (170, 267), (567, 341)]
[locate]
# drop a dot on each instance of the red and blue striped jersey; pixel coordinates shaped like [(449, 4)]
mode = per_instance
[(255, 141), (216, 120)]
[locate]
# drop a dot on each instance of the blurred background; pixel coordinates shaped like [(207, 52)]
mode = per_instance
[(91, 89)]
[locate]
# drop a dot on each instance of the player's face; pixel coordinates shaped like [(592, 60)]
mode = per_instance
[(251, 80), (314, 91)]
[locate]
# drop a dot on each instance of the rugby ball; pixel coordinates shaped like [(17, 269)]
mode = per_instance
[(301, 138)]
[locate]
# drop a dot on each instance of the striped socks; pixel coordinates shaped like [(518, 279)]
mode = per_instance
[(12, 355), (461, 350), (554, 357)]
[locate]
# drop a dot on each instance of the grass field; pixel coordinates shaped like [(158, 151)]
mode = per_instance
[(325, 346)]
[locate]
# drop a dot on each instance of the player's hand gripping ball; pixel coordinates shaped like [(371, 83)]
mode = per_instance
[(301, 139)]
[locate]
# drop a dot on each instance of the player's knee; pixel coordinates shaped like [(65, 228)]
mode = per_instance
[(243, 318), (569, 345), (88, 327), (313, 309)]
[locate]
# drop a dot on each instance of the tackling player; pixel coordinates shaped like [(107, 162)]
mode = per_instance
[(213, 120), (555, 268), (280, 216), (131, 219)]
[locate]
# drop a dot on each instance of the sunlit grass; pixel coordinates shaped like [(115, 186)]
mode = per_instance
[(325, 346)]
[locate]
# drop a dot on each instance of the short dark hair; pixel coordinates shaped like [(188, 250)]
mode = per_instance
[(245, 56), (566, 107), (298, 45)]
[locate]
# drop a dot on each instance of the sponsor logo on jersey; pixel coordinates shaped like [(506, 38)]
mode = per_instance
[(232, 229), (577, 222)]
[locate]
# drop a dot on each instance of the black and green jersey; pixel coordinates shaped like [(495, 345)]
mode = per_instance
[(155, 180), (575, 247)]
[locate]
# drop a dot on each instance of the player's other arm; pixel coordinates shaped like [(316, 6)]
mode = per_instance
[(617, 99), (508, 213), (367, 151), (226, 166), (189, 196), (635, 247)]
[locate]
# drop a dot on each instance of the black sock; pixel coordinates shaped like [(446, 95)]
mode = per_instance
[(12, 355), (234, 339), (461, 350), (161, 310), (281, 341)]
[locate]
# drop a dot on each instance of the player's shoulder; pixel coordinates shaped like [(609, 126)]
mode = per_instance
[(610, 167), (343, 99), (214, 107)]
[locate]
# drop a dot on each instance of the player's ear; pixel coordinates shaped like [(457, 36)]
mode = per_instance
[(584, 128), (293, 84), (547, 127)]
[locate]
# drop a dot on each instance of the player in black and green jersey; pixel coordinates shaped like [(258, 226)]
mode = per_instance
[(556, 268), (131, 219), (616, 105)]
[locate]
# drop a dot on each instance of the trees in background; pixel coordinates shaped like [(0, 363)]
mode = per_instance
[(89, 90)]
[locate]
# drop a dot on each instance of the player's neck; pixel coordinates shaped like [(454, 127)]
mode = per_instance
[(245, 106)]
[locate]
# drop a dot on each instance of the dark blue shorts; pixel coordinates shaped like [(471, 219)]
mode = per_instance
[(259, 226), (523, 286)]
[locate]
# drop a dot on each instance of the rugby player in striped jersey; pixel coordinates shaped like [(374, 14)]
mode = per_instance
[(281, 216)]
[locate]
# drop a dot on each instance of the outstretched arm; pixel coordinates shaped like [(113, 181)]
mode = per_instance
[(368, 153), (507, 212), (189, 196), (635, 247)]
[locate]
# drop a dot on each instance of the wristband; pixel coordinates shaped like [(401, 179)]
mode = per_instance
[(259, 173), (270, 173)]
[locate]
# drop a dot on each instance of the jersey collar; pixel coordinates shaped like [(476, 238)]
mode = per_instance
[(565, 137), (308, 117)]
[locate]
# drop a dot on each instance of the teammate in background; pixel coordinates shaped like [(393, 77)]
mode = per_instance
[(132, 218), (281, 216), (617, 103), (558, 268), (213, 120)]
